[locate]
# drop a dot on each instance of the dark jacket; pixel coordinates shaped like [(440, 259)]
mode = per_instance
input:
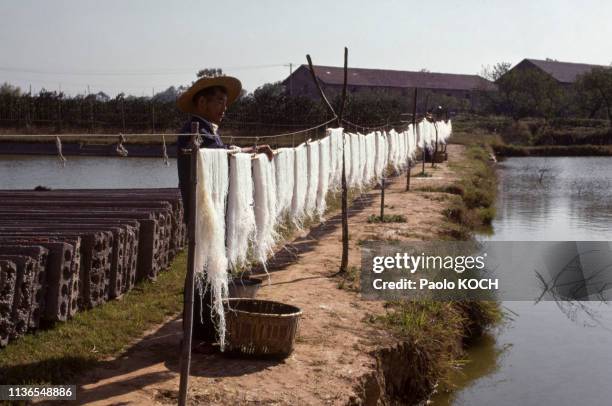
[(183, 162)]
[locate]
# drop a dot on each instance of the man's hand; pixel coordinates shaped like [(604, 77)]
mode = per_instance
[(260, 149), (266, 149)]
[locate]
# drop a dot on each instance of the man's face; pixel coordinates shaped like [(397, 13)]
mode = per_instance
[(213, 107)]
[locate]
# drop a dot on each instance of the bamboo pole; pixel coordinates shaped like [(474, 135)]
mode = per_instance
[(190, 282), (414, 103), (433, 158), (345, 229), (382, 198), (321, 93)]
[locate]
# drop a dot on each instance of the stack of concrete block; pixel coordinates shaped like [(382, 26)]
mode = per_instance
[(8, 281), (97, 244), (30, 259)]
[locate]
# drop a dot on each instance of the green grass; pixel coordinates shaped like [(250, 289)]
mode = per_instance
[(387, 218), (437, 333), (476, 191), (56, 355)]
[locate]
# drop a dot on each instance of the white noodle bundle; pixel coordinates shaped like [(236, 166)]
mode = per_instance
[(370, 153), (284, 169), (394, 150), (379, 161), (363, 157), (335, 157), (210, 255), (240, 216), (356, 169), (313, 177), (348, 159), (264, 180), (300, 185), (413, 141), (403, 149), (398, 152), (420, 134), (324, 174)]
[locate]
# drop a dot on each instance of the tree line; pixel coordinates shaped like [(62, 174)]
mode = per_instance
[(269, 108)]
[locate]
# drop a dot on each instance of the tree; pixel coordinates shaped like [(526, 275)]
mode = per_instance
[(529, 93), (493, 73), (209, 72), (102, 97), (9, 90), (595, 91), (168, 95)]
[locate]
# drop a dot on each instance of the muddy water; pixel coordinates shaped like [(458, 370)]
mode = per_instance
[(27, 172), (547, 353)]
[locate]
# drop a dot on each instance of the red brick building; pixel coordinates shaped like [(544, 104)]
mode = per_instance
[(394, 82), (565, 73)]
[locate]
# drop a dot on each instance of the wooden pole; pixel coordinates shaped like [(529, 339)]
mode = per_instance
[(189, 285), (382, 198), (345, 229), (321, 93), (433, 158), (414, 103)]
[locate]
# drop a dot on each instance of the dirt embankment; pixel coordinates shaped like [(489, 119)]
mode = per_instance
[(340, 356)]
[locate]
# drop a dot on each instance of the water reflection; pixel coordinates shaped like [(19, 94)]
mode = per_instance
[(27, 172), (555, 352)]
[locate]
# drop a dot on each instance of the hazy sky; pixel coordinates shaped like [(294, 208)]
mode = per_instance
[(135, 46)]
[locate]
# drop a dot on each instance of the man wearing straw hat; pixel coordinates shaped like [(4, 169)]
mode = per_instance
[(206, 101)]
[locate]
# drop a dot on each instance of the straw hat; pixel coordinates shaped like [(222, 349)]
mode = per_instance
[(231, 85)]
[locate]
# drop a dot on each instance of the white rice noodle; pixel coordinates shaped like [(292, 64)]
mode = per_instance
[(412, 141), (312, 149), (361, 149), (324, 175), (335, 157), (240, 216), (348, 160), (379, 160), (392, 152), (370, 143), (264, 180), (356, 169), (385, 138), (300, 184), (444, 131), (210, 259), (284, 169), (401, 156), (420, 134)]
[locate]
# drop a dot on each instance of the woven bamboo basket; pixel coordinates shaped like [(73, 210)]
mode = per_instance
[(260, 327)]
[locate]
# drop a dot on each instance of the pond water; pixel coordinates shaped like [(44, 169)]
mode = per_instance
[(27, 172), (546, 353)]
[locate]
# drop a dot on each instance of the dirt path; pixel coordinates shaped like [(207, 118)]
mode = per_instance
[(332, 361)]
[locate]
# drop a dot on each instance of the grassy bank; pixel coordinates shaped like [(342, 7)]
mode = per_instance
[(438, 334), (57, 355), (504, 150), (536, 137)]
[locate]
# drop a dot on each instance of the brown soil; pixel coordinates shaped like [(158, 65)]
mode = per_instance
[(337, 352)]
